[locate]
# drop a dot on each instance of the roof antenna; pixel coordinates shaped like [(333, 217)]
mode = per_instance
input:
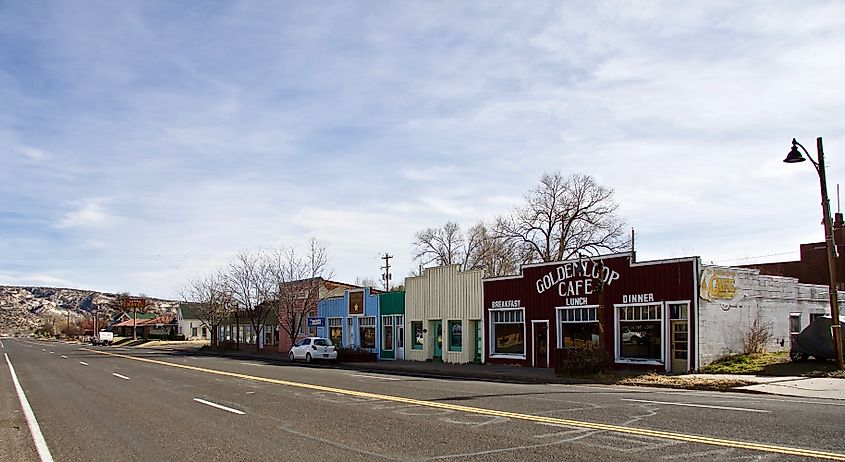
[(838, 208)]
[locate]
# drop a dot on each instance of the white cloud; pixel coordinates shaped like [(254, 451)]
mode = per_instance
[(87, 213), (35, 280), (33, 153), (220, 130)]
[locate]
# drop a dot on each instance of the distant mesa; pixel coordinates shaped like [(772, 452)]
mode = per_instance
[(25, 309)]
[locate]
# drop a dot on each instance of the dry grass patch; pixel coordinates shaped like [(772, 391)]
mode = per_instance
[(684, 382)]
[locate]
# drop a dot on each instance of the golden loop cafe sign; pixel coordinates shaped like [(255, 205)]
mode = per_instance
[(718, 284), (576, 279)]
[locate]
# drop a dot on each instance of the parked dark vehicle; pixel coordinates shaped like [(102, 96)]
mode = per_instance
[(816, 341)]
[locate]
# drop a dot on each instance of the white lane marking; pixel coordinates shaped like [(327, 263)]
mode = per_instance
[(219, 406), (34, 428), (63, 356), (1, 344), (746, 397), (726, 408), (83, 363), (379, 377), (120, 376), (253, 364)]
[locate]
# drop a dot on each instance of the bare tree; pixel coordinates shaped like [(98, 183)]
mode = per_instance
[(477, 249), (298, 279), (249, 281), (563, 217), (442, 246), (211, 302), (485, 250)]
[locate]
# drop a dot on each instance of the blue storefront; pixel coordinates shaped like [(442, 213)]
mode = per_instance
[(351, 321)]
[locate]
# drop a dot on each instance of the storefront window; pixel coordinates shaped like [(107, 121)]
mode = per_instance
[(336, 331), (455, 335), (417, 335), (367, 332), (508, 332), (579, 327), (387, 333), (640, 332)]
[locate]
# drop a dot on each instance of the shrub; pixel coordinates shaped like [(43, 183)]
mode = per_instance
[(755, 338), (585, 360)]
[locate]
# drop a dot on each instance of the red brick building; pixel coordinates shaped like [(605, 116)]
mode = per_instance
[(812, 268), (299, 302)]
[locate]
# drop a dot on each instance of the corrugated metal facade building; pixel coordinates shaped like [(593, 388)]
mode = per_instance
[(443, 312), (351, 320), (641, 313), (391, 325)]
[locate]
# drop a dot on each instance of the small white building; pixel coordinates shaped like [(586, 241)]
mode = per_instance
[(443, 316), (190, 325), (732, 299)]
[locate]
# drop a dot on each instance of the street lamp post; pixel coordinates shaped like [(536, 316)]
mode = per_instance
[(795, 156)]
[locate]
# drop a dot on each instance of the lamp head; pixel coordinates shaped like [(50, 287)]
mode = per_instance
[(794, 155)]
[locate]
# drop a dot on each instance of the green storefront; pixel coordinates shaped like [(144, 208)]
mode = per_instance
[(392, 315)]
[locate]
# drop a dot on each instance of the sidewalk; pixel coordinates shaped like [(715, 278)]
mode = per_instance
[(804, 387)]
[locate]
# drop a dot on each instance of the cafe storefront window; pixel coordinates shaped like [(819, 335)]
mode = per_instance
[(336, 331), (578, 327), (507, 331), (639, 332), (367, 332)]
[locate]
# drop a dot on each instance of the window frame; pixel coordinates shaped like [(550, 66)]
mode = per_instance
[(617, 334), (335, 322), (414, 345), (368, 322), (492, 333), (387, 322), (559, 322), (792, 316), (451, 347)]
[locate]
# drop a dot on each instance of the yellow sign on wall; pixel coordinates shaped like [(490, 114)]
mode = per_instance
[(718, 284)]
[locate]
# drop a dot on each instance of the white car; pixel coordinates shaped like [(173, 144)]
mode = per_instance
[(631, 336), (311, 348)]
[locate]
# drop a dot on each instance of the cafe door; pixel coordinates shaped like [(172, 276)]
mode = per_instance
[(680, 346), (540, 342)]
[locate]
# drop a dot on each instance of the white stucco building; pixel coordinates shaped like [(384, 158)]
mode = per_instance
[(731, 299)]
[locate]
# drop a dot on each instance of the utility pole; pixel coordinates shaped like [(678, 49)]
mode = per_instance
[(386, 276)]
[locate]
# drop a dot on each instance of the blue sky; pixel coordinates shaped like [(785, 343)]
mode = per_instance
[(142, 143)]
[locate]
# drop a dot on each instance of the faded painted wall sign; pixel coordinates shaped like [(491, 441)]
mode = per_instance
[(718, 284)]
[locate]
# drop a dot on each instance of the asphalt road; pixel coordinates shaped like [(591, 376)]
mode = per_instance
[(129, 404)]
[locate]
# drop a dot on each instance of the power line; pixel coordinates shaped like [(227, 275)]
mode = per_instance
[(759, 256)]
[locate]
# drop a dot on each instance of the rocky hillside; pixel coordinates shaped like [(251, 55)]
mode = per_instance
[(24, 309)]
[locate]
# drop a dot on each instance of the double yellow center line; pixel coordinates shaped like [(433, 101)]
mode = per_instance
[(511, 415)]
